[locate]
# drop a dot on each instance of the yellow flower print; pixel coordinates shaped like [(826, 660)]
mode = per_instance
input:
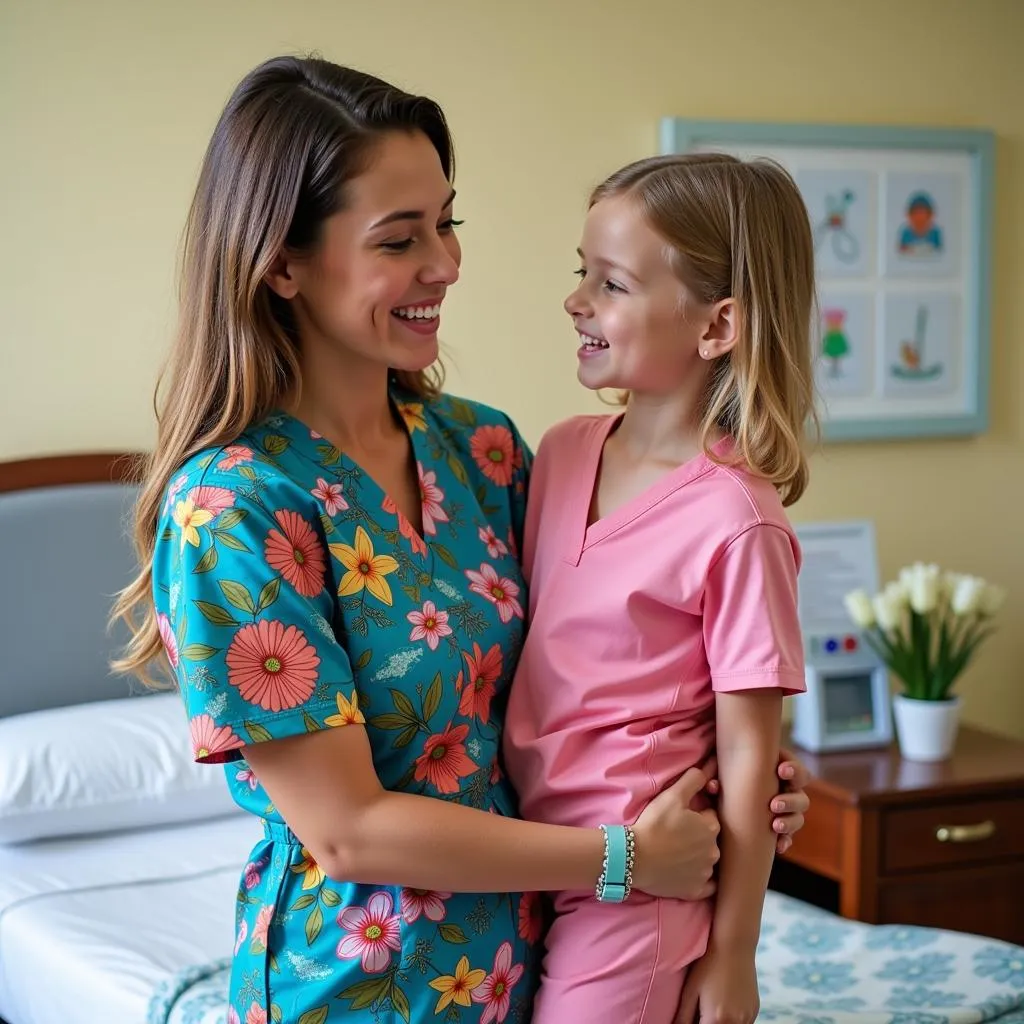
[(456, 988), (188, 517), (312, 874), (365, 569), (348, 712), (412, 413)]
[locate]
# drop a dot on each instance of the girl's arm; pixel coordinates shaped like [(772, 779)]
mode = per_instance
[(325, 786), (748, 725)]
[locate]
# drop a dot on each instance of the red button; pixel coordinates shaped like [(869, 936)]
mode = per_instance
[(850, 643)]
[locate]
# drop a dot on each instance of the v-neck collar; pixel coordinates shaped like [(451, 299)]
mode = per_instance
[(330, 459), (589, 465)]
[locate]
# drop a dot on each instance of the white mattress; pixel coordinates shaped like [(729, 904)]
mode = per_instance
[(89, 927)]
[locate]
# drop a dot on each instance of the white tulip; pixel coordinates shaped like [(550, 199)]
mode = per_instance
[(948, 582), (858, 606), (992, 598), (897, 594), (924, 588), (888, 611), (967, 595)]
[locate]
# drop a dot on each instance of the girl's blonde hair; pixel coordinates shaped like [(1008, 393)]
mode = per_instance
[(740, 229), (293, 133)]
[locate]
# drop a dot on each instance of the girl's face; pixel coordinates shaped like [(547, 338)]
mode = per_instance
[(629, 306), (372, 290)]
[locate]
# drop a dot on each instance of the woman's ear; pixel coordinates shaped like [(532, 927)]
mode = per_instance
[(280, 278)]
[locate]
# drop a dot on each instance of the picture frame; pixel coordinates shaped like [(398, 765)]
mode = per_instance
[(901, 221)]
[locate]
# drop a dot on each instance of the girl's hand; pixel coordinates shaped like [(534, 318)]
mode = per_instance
[(676, 847), (792, 803), (720, 988)]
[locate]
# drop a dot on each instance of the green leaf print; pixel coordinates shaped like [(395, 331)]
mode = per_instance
[(453, 933), (365, 993), (309, 722), (413, 593), (405, 738), (458, 469), (229, 540), (238, 595), (275, 1014), (208, 561), (248, 472), (403, 705), (256, 732), (432, 701), (461, 412), (327, 523), (445, 555), (400, 1001), (274, 965), (275, 443), (391, 721), (199, 652), (303, 901), (317, 1016), (364, 659), (268, 595), (215, 613), (314, 923), (232, 517), (180, 634), (330, 897), (167, 534), (328, 454)]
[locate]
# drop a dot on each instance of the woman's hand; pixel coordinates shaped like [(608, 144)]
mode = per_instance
[(720, 988), (676, 847), (791, 803)]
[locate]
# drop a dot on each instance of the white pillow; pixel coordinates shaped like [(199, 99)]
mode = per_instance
[(103, 766)]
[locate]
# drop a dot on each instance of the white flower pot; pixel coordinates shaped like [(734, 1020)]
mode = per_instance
[(926, 729)]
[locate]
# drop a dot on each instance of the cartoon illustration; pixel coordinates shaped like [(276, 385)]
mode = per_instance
[(911, 365), (844, 243), (920, 236), (835, 345)]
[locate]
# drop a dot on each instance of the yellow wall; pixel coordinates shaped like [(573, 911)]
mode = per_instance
[(105, 108)]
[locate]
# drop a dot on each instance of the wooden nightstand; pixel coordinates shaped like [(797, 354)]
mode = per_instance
[(890, 841)]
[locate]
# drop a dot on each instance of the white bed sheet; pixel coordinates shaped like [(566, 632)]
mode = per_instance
[(66, 907)]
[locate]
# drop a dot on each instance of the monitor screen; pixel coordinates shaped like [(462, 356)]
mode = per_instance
[(848, 703)]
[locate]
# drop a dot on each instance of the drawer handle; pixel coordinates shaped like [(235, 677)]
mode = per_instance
[(965, 833)]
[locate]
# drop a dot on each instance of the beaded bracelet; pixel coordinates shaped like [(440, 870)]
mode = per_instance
[(616, 878)]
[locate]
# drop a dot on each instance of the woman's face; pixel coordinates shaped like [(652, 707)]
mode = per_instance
[(371, 292)]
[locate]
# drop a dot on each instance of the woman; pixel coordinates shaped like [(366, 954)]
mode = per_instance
[(329, 550)]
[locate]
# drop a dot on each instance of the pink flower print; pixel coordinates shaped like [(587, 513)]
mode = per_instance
[(256, 1015), (484, 670), (251, 873), (211, 499), (415, 902), (167, 637), (173, 490), (431, 497), (235, 455), (243, 931), (272, 665), (246, 775), (512, 546), (210, 739), (429, 624), (373, 933), (330, 496), (496, 989), (499, 590), (495, 547), (261, 928), (444, 760), (315, 436), (493, 450), (531, 917), (233, 1017)]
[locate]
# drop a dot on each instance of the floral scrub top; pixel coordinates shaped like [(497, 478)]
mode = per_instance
[(291, 596)]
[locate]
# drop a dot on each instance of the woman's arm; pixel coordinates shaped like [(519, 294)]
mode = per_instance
[(325, 787)]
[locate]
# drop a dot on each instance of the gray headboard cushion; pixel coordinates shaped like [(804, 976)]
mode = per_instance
[(65, 551)]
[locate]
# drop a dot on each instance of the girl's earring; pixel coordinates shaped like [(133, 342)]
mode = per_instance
[(703, 353)]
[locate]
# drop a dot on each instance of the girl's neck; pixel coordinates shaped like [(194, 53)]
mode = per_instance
[(660, 428)]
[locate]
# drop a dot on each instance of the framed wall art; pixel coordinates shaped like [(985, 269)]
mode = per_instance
[(901, 222)]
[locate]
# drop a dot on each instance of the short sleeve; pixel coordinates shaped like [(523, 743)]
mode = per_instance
[(245, 618), (751, 623)]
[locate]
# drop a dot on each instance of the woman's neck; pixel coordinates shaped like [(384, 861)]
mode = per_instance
[(345, 400)]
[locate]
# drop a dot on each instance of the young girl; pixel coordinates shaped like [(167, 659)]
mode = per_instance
[(663, 572)]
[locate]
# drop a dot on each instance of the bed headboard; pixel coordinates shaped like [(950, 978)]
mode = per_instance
[(65, 550)]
